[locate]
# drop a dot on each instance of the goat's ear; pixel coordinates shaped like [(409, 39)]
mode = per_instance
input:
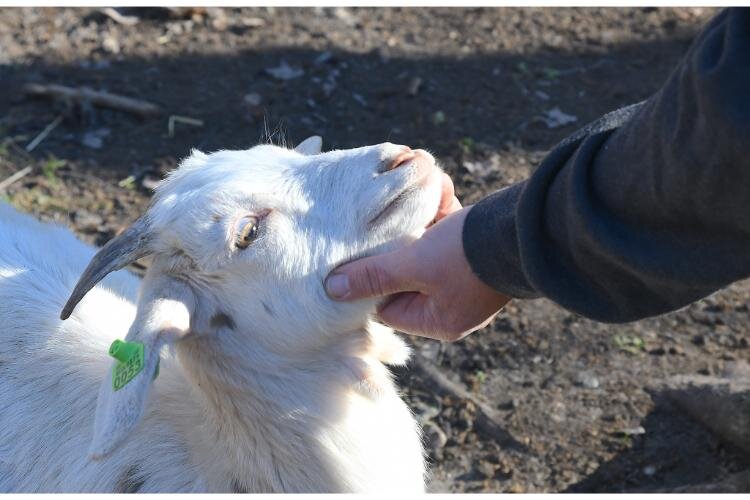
[(311, 146), (163, 316)]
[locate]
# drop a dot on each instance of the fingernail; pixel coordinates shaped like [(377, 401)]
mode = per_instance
[(337, 285)]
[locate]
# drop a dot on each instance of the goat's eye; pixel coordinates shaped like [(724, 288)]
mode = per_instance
[(247, 231)]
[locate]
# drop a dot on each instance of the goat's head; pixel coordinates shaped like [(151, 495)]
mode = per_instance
[(242, 242)]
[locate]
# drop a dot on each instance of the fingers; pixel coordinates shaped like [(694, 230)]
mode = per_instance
[(413, 313), (419, 314), (369, 277), (405, 312), (448, 201), (451, 205)]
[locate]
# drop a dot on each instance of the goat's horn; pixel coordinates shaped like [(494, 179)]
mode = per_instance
[(120, 251)]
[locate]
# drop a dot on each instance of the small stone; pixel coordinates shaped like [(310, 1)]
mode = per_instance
[(430, 350), (557, 412), (94, 139), (425, 412), (698, 340), (344, 14), (587, 380), (91, 141), (285, 72), (435, 439), (111, 45), (252, 22), (460, 435), (609, 36), (568, 475), (329, 85), (555, 118), (252, 99), (465, 420), (414, 85), (649, 470), (220, 23), (252, 102), (323, 58), (486, 470), (438, 117), (478, 169), (516, 488), (632, 431)]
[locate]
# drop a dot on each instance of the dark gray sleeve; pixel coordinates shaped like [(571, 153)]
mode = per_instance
[(643, 211)]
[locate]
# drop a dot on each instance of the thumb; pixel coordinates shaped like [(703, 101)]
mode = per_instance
[(369, 277)]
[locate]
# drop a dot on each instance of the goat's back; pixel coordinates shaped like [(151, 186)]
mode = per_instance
[(50, 370)]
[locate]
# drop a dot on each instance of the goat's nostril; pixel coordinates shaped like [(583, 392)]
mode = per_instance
[(405, 156)]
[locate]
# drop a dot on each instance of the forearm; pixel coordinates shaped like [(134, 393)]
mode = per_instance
[(643, 212)]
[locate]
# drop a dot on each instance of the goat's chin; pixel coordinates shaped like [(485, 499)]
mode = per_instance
[(408, 228), (416, 215), (397, 242)]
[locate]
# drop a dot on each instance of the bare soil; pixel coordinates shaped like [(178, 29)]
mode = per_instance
[(578, 401)]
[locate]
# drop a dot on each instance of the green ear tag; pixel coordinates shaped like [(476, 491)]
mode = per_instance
[(129, 356)]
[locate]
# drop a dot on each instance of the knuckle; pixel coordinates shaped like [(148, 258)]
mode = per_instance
[(373, 280)]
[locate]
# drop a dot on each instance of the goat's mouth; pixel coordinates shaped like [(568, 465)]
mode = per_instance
[(393, 205), (418, 190), (428, 179)]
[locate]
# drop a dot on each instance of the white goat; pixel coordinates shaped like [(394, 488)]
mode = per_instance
[(269, 384)]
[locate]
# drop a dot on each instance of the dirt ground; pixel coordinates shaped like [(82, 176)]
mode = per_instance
[(489, 91)]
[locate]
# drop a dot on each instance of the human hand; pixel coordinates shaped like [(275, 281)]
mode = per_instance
[(430, 287)]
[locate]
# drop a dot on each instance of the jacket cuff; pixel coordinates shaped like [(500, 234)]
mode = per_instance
[(491, 244)]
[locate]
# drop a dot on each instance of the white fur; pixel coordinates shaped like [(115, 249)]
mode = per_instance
[(294, 396)]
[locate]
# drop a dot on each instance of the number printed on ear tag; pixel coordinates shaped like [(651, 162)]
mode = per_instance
[(129, 356)]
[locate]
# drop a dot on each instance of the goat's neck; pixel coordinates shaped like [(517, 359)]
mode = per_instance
[(252, 373), (254, 412)]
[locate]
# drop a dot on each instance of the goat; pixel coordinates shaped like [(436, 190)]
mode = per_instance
[(264, 384)]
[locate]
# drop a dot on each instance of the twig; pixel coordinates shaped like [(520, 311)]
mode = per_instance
[(182, 119), (488, 420), (44, 133), (720, 404), (95, 97), (119, 18), (21, 151), (734, 483), (13, 178), (582, 69)]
